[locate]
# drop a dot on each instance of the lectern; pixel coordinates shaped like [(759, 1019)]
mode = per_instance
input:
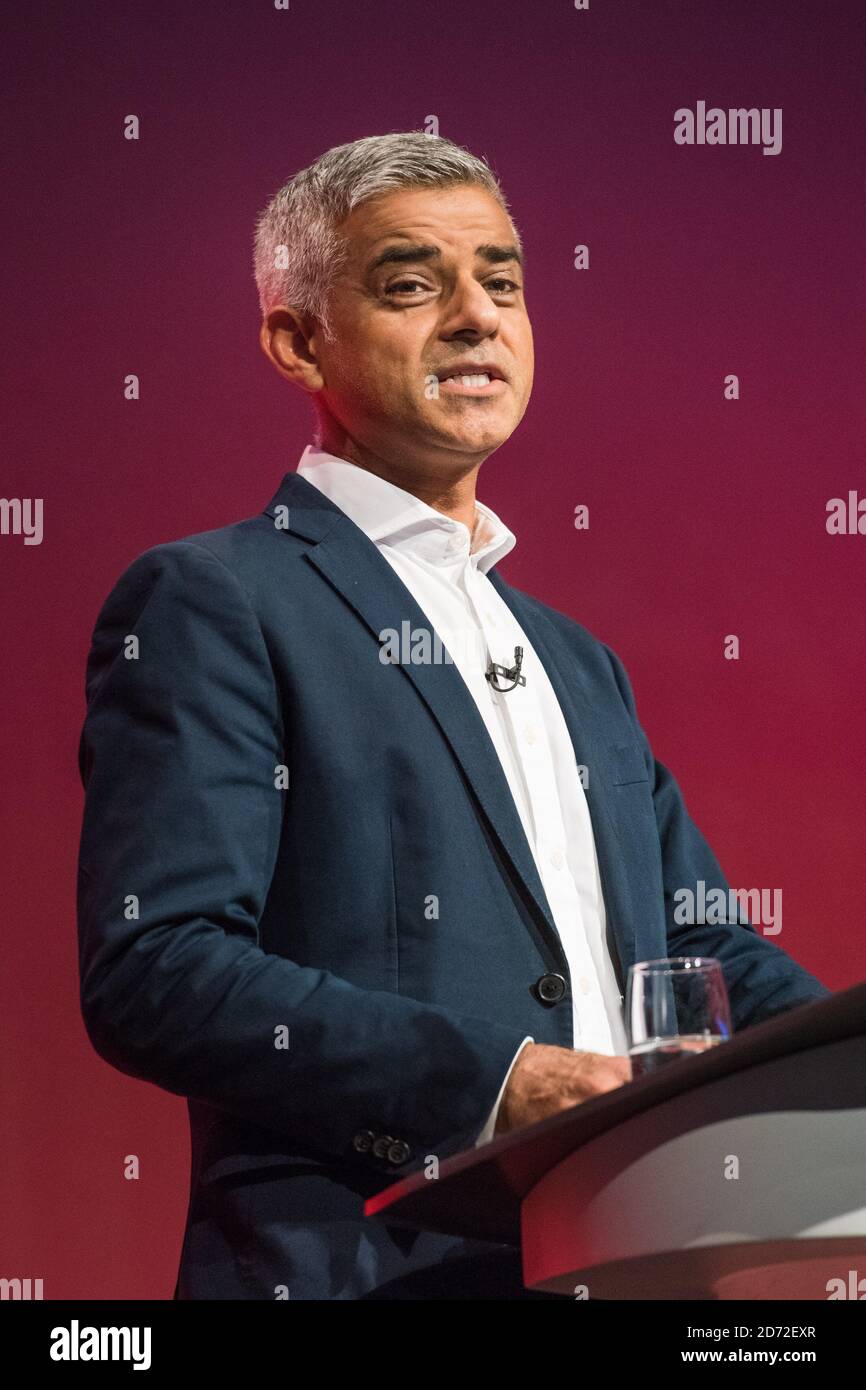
[(737, 1173)]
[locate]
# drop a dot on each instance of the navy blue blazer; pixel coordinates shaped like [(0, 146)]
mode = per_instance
[(265, 950)]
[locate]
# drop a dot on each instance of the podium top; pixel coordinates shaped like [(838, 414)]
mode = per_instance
[(478, 1193)]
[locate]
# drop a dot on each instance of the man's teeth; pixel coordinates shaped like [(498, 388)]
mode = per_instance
[(482, 379)]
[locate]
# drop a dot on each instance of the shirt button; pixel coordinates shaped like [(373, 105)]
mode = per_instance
[(584, 985), (557, 858), (530, 734)]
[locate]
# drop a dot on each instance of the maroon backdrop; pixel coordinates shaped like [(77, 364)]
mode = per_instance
[(707, 515)]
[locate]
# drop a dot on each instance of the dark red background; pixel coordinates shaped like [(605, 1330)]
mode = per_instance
[(707, 516)]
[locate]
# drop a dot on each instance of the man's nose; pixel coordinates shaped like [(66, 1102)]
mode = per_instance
[(470, 309)]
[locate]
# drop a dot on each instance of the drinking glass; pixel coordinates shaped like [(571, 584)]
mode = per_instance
[(673, 1008)]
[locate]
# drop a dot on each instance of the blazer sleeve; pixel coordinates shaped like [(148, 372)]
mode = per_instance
[(179, 754), (762, 979), (489, 1130)]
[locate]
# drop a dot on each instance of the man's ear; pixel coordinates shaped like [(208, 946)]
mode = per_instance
[(288, 339)]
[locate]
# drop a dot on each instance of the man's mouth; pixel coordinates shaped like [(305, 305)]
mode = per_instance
[(466, 383)]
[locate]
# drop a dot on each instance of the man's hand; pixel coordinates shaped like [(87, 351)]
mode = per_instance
[(547, 1079)]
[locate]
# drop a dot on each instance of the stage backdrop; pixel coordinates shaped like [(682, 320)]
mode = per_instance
[(699, 389)]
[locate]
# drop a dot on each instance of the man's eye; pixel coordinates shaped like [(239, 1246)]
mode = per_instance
[(401, 285), (500, 285)]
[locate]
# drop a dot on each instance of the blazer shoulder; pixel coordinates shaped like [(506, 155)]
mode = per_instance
[(189, 590), (241, 547), (237, 556)]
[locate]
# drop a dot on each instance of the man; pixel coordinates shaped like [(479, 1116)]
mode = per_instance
[(341, 882)]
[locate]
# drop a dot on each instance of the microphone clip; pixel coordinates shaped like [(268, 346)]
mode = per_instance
[(495, 673)]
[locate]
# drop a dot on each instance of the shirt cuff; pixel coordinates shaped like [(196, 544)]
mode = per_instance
[(487, 1132)]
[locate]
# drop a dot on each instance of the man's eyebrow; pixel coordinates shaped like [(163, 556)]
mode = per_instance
[(497, 254), (414, 252)]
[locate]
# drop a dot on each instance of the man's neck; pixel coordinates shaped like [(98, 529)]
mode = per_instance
[(453, 496)]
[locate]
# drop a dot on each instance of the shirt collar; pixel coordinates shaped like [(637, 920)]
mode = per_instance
[(390, 516)]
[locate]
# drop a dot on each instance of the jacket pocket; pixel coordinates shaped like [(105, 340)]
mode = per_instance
[(627, 764)]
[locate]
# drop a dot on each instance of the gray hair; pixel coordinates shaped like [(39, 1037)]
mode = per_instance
[(298, 247)]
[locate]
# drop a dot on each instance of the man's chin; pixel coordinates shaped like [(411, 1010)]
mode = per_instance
[(473, 436)]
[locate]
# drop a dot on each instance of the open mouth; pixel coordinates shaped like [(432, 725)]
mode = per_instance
[(458, 383)]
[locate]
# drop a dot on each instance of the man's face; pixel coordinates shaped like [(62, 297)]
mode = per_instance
[(432, 285)]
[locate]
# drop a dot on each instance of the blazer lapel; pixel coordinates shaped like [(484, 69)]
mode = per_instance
[(352, 564), (585, 723)]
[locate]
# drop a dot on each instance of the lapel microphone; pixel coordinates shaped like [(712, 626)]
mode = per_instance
[(509, 673)]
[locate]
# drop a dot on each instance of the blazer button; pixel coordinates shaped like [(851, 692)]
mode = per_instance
[(398, 1152), (551, 988), (363, 1140), (382, 1145)]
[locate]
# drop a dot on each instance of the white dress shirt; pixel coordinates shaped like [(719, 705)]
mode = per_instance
[(444, 568)]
